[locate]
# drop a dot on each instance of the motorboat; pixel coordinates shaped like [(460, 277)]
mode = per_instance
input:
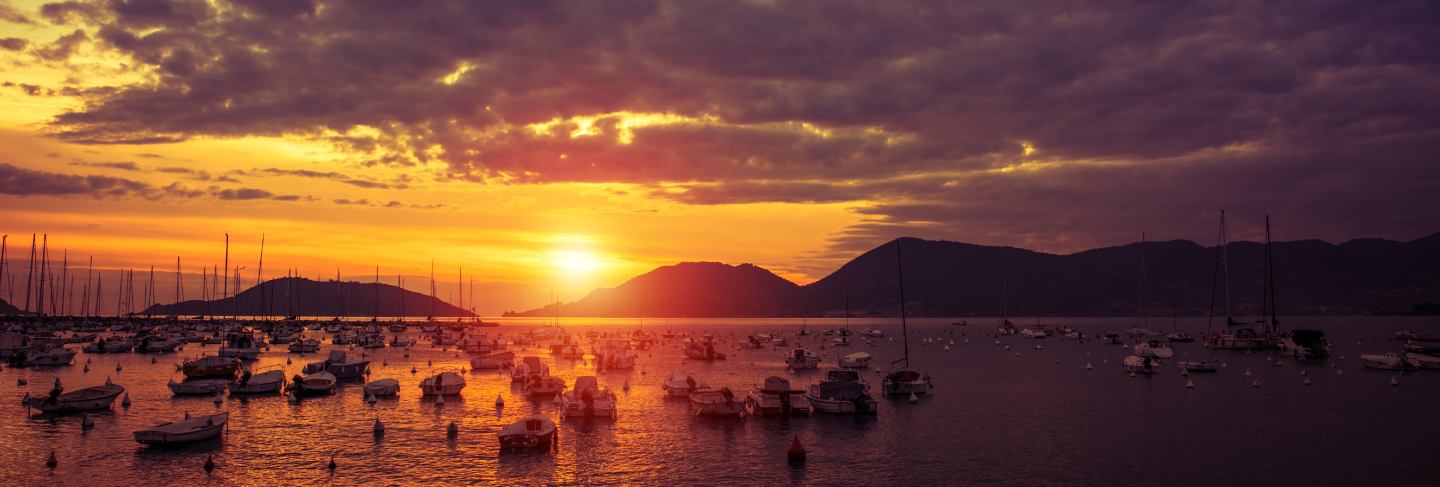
[(1388, 361), (680, 384), (87, 399), (1238, 339), (1422, 361), (188, 430), (1179, 337), (776, 397), (615, 354), (497, 360), (153, 344), (211, 367), (1035, 331), (110, 345), (716, 402), (1198, 366), (800, 358), (703, 351), (382, 387), (841, 341), (587, 399), (263, 381), (530, 366), (905, 382), (338, 365), (534, 432), (1154, 349), (43, 357), (544, 386), (841, 392), (1305, 344), (198, 387), (1112, 339), (857, 360), (1423, 348), (305, 346), (320, 383), (243, 346), (872, 333), (1141, 365), (444, 383)]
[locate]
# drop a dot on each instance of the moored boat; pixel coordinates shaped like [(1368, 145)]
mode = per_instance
[(305, 346), (1141, 365), (198, 387), (319, 383), (857, 360), (800, 358), (444, 383), (680, 384), (497, 360), (188, 430), (717, 403), (534, 432), (89, 398), (382, 387), (263, 381), (211, 367), (587, 399), (841, 392), (544, 386), (776, 397)]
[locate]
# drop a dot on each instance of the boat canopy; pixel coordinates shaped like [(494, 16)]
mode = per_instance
[(532, 361), (841, 389), (776, 384), (842, 375), (585, 382)]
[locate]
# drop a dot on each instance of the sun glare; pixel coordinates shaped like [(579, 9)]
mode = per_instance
[(575, 261)]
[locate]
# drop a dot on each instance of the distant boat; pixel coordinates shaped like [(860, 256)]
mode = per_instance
[(338, 365), (1179, 337), (906, 381), (382, 387), (199, 387), (319, 383), (701, 350), (776, 397), (211, 367), (1388, 361), (872, 333), (1306, 344), (497, 360), (544, 386), (1141, 365), (305, 346), (444, 383), (680, 384), (800, 359), (534, 432), (89, 398), (1198, 367), (243, 346), (588, 400), (1422, 361), (857, 360), (530, 366), (263, 381), (841, 392), (1154, 349), (188, 430), (716, 403)]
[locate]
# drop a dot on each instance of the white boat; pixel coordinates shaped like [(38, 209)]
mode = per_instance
[(243, 346), (544, 386), (1422, 361), (587, 399), (841, 392), (857, 360), (305, 346), (800, 358), (1154, 349), (89, 398), (263, 381), (188, 430), (530, 366), (319, 383), (205, 387), (382, 387), (497, 360), (158, 345), (776, 397), (45, 358), (444, 383), (1198, 366), (680, 384), (1388, 361), (1141, 365), (716, 402), (703, 351), (905, 382), (111, 345), (1035, 331), (872, 333), (337, 364), (615, 354), (534, 432), (211, 367)]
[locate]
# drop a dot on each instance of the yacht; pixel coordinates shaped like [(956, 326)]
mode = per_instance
[(776, 397), (905, 382), (529, 367), (44, 357), (587, 399), (1035, 331), (444, 383), (243, 346), (680, 384), (872, 333), (614, 354), (338, 365), (841, 392)]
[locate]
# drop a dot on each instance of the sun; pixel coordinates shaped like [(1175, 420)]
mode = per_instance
[(575, 261)]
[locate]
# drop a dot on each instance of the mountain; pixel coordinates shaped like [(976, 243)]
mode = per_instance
[(958, 279), (690, 289), (304, 297), (8, 309)]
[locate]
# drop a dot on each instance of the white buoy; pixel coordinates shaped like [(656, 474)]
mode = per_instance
[(1039, 347), (1307, 380), (125, 402), (947, 347), (292, 397), (1303, 372), (914, 398), (499, 401), (1255, 383), (452, 431), (1394, 381), (1132, 373), (1339, 371), (1247, 372), (1088, 366), (1104, 360), (1189, 384)]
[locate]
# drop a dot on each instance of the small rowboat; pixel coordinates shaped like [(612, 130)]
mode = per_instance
[(188, 430), (266, 381), (383, 387), (446, 383), (535, 432), (198, 387), (89, 398), (316, 384)]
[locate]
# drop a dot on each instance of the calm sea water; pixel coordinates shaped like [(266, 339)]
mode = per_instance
[(999, 417)]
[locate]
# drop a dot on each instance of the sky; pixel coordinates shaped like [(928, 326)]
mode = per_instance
[(553, 145)]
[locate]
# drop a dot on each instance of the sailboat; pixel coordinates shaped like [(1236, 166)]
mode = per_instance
[(1302, 344), (1236, 335), (1006, 327), (906, 380)]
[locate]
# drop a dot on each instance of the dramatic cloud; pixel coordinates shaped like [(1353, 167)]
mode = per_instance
[(123, 166), (13, 44), (969, 120), (8, 13), (19, 181)]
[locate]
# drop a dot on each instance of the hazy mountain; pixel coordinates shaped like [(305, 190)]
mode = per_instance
[(304, 297), (958, 279)]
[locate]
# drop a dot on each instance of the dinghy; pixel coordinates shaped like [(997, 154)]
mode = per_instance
[(87, 399), (534, 432), (188, 430)]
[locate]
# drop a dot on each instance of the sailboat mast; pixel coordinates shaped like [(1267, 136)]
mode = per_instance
[(179, 288), (376, 316), (1144, 315), (1273, 323), (432, 288), (4, 239), (1225, 262), (260, 281), (225, 284), (904, 328), (461, 294), (400, 290)]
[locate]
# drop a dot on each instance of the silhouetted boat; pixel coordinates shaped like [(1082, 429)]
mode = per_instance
[(841, 392), (587, 399), (382, 387), (211, 367), (89, 398), (534, 432), (716, 402), (680, 384), (443, 383), (188, 430)]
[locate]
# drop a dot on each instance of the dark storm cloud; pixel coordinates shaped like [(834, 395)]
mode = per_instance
[(1141, 112)]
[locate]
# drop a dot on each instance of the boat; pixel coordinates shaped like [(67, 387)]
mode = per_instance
[(152, 344), (1305, 344), (1036, 331), (211, 367), (614, 354), (87, 399), (587, 399), (534, 432), (544, 386), (530, 366), (43, 357), (198, 387), (1198, 366), (188, 430), (841, 392), (497, 360), (680, 384), (1422, 348), (1154, 349), (857, 360), (382, 387), (111, 345), (1141, 365), (1388, 361), (262, 381), (776, 397), (320, 383), (1179, 337), (800, 358), (305, 346), (907, 380), (338, 365), (716, 402), (1421, 361), (243, 346), (444, 383), (703, 351), (1238, 336), (872, 333)]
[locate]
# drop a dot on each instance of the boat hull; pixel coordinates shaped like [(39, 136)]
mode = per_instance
[(88, 399), (182, 432)]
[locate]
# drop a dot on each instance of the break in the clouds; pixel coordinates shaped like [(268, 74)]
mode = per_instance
[(970, 120)]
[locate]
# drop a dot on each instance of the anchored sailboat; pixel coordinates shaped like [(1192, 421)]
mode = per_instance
[(907, 380)]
